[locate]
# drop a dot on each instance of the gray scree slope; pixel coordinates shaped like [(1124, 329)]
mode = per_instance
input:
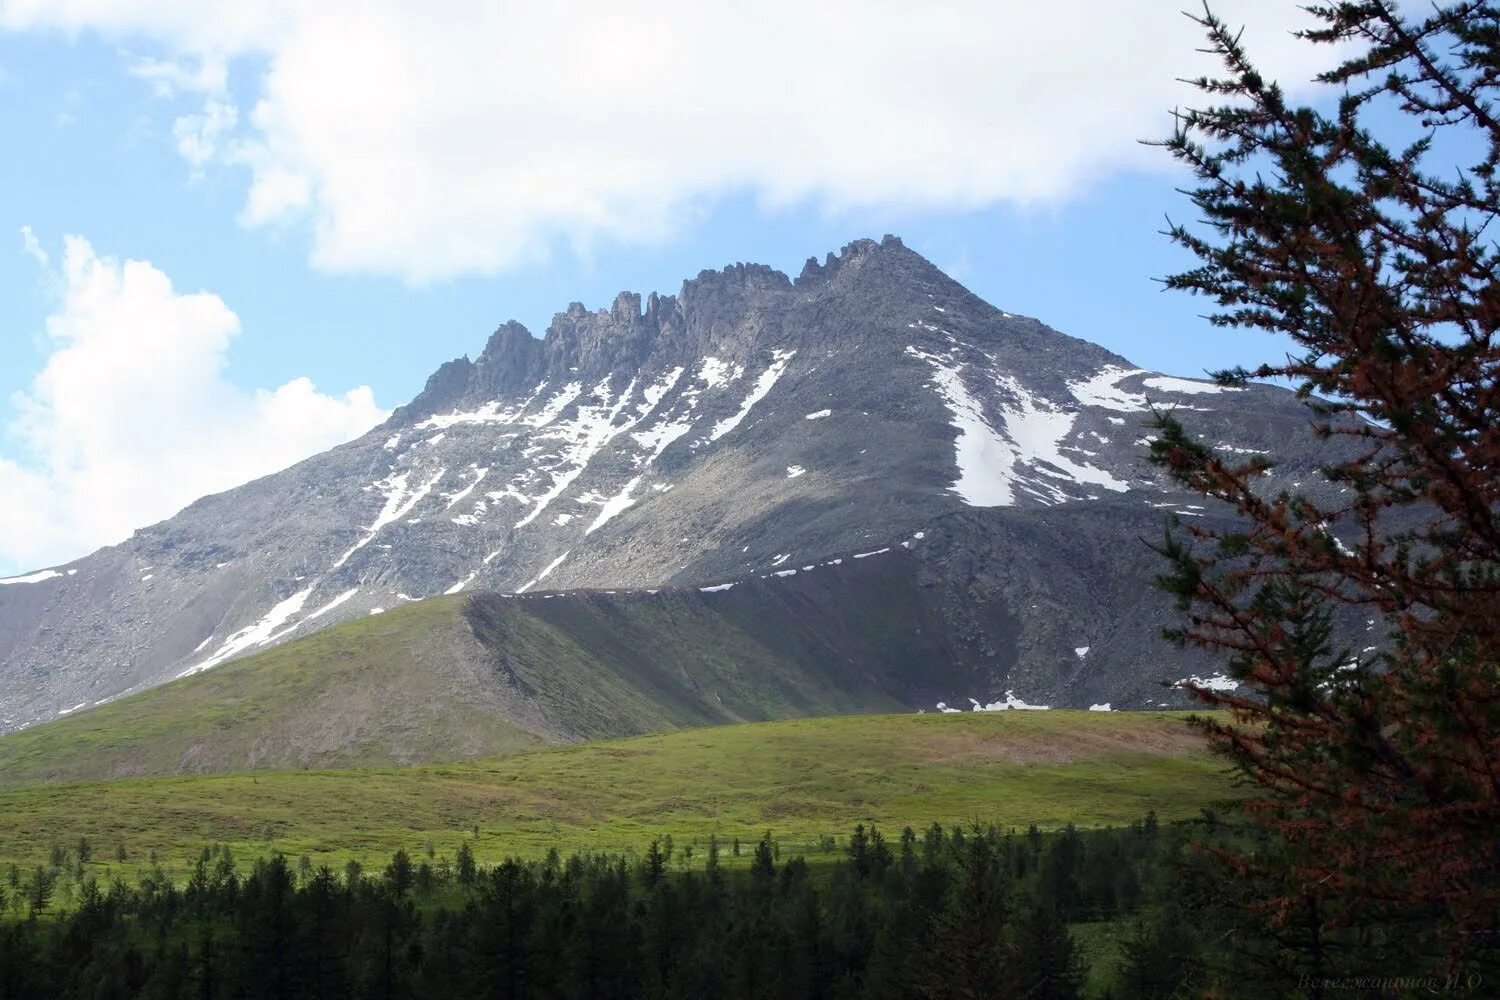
[(750, 425)]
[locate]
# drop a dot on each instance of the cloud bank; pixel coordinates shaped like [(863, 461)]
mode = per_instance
[(131, 418), (465, 136)]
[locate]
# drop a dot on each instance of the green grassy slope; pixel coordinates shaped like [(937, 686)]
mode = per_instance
[(392, 688), (802, 779), (463, 677)]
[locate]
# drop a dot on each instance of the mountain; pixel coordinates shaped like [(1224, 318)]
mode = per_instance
[(750, 426)]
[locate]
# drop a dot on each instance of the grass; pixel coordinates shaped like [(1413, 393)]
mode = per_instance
[(380, 690), (803, 779)]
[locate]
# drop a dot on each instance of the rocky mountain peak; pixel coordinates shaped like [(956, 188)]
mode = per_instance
[(627, 308), (748, 427), (728, 310)]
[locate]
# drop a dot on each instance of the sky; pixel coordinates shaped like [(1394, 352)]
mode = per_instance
[(234, 235)]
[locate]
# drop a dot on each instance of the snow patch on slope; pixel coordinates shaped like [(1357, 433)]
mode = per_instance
[(660, 436), (399, 500), (487, 413), (1168, 383), (460, 585), (346, 595), (984, 457), (654, 393), (37, 577), (757, 393), (1010, 702), (254, 635), (995, 459), (715, 373), (1102, 390), (554, 406), (542, 575), (582, 438), (614, 506), (1218, 682), (458, 497), (1039, 430)]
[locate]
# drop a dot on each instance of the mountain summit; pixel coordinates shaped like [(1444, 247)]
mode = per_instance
[(752, 425)]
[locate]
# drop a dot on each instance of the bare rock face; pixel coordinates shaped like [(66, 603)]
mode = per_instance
[(748, 426)]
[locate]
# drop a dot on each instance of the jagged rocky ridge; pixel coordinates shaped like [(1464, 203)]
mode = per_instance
[(750, 425)]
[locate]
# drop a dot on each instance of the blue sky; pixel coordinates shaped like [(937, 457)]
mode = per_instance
[(275, 245), (98, 161)]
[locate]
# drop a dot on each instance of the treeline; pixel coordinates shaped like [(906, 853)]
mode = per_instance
[(946, 913)]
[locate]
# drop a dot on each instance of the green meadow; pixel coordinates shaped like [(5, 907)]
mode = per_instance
[(805, 781)]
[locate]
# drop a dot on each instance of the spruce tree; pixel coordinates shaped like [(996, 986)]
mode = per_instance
[(207, 967), (467, 871), (859, 858), (1159, 958), (399, 875), (969, 954), (656, 865), (39, 892), (1045, 966), (353, 873), (763, 865), (1361, 231)]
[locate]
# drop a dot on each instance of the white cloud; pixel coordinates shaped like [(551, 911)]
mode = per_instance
[(199, 135), (32, 247), (131, 418), (426, 140), (168, 77)]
